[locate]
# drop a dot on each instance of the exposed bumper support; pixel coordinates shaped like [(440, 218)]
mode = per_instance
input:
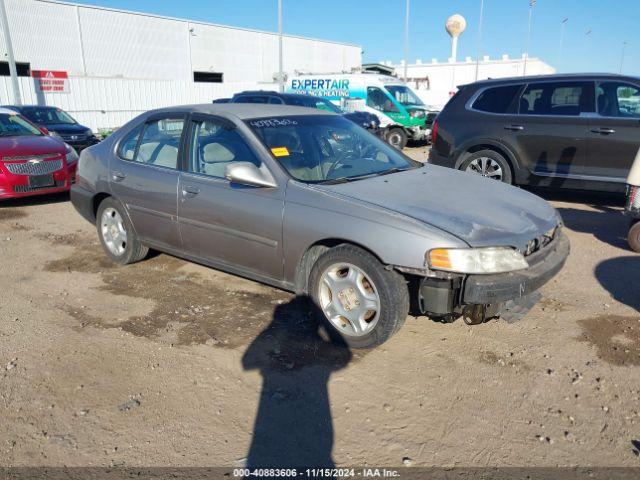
[(489, 289), (445, 296)]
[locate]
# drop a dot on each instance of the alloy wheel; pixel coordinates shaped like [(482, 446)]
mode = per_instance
[(485, 166)]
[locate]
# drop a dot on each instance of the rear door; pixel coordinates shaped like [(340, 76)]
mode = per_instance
[(144, 176), (236, 225), (550, 129), (614, 133)]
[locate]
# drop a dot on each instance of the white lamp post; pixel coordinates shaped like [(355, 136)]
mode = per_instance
[(526, 53), (562, 27)]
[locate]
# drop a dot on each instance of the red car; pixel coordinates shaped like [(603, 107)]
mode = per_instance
[(31, 161)]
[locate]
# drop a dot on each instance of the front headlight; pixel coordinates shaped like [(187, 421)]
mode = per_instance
[(416, 113), (476, 260), (88, 132), (72, 155)]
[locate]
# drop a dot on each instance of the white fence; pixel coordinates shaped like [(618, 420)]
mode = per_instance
[(106, 103)]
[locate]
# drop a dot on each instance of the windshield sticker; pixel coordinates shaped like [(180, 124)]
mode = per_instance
[(280, 151), (273, 122)]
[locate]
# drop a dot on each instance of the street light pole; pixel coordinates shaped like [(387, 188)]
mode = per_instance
[(479, 38), (586, 43), (280, 69), (562, 27), (406, 39), (526, 53), (13, 71), (624, 46)]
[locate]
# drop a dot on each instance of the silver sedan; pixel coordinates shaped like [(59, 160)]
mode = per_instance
[(307, 201)]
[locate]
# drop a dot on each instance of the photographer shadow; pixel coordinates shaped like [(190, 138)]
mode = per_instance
[(293, 426)]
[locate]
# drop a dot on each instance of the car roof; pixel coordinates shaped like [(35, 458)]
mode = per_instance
[(273, 93), (20, 107), (7, 111), (554, 77), (244, 111)]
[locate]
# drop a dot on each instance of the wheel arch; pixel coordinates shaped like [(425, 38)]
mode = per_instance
[(488, 144), (96, 201), (311, 255)]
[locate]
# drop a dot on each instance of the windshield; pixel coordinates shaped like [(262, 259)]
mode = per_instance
[(14, 125), (327, 148), (310, 102), (404, 95), (48, 116)]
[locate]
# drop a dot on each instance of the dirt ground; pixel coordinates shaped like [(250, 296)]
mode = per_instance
[(167, 363)]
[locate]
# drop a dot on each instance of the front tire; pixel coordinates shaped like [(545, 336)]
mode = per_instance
[(634, 237), (361, 303), (489, 164), (397, 138), (117, 235)]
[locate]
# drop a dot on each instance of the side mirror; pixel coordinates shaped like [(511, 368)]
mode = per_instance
[(246, 173), (44, 131)]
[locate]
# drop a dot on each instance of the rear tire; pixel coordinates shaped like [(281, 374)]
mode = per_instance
[(489, 164), (361, 303), (634, 237), (117, 235), (397, 138)]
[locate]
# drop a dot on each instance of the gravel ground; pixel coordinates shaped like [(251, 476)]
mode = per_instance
[(167, 363)]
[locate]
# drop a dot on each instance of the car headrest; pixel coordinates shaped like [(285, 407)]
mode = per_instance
[(216, 152), (282, 139)]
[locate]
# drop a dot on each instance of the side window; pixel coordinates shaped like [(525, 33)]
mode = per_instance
[(275, 101), (215, 146), (561, 98), (127, 147), (379, 100), (160, 143), (618, 100), (496, 99), (252, 99)]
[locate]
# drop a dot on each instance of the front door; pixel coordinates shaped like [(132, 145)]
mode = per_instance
[(233, 225), (614, 132), (144, 177), (550, 128)]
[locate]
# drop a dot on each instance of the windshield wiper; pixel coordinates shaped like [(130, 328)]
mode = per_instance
[(334, 181), (394, 170)]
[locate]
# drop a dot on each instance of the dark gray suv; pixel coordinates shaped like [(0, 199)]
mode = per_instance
[(578, 131)]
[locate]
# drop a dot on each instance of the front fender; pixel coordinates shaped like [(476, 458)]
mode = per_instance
[(312, 216)]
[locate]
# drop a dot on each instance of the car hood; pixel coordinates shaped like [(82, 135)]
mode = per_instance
[(30, 145), (362, 118), (479, 211), (65, 128)]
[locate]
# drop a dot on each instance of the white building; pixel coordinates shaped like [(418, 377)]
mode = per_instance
[(435, 81), (121, 63)]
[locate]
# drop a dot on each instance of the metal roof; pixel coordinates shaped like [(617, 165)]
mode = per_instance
[(198, 22)]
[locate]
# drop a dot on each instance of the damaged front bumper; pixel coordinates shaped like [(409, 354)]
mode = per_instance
[(449, 295)]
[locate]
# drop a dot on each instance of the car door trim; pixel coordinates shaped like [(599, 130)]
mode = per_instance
[(230, 231), (149, 211), (573, 176)]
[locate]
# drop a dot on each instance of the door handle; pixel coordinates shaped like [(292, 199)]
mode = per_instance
[(514, 128), (118, 176), (603, 131), (189, 191)]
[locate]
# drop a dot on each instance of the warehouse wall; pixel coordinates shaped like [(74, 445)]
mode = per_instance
[(106, 103), (99, 42)]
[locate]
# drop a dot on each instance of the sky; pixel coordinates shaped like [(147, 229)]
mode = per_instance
[(378, 27)]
